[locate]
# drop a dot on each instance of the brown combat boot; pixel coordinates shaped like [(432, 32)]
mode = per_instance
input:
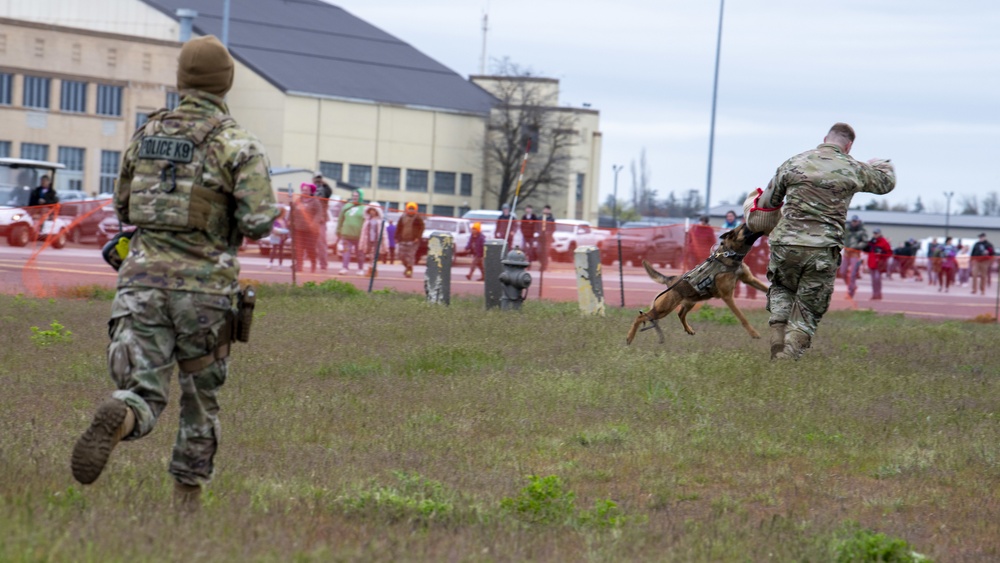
[(113, 421), (796, 343), (187, 498), (777, 339)]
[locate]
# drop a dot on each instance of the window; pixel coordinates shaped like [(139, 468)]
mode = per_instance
[(109, 100), (394, 205), (462, 210), (388, 178), (359, 175), (530, 133), (422, 208), (331, 170), (173, 100), (444, 183), (34, 151), (6, 83), (36, 92), (466, 187), (140, 119), (444, 210), (72, 177), (4, 149), (579, 195), (416, 181), (109, 170), (74, 96)]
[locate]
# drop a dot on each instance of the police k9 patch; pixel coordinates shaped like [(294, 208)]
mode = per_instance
[(174, 149)]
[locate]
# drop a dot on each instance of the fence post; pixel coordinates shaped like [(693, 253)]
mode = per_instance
[(437, 276), (589, 286), (492, 269)]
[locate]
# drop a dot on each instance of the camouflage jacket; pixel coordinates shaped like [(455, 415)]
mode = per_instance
[(817, 187), (197, 260), (856, 239)]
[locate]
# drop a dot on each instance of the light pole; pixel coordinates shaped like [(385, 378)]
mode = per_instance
[(715, 95), (618, 233), (947, 213)]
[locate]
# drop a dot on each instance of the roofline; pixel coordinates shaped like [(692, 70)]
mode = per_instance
[(501, 77), (36, 163), (384, 103), (90, 32)]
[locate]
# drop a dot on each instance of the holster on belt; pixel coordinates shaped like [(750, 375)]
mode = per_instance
[(236, 327)]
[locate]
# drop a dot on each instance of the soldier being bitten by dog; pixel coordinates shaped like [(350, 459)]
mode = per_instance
[(177, 286), (816, 187)]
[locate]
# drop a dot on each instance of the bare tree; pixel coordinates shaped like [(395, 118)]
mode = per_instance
[(643, 197), (969, 205), (991, 204), (526, 111)]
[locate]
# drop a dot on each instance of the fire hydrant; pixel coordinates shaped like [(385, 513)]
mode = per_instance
[(515, 280)]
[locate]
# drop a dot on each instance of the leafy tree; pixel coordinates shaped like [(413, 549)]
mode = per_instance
[(526, 109)]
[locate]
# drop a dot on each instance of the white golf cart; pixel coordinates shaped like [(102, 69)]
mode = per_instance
[(18, 222)]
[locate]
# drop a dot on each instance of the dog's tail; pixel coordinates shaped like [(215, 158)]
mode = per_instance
[(657, 276)]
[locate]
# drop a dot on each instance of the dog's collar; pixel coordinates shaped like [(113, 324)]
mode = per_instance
[(730, 255)]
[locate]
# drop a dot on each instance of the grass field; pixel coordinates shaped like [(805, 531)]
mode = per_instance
[(359, 427)]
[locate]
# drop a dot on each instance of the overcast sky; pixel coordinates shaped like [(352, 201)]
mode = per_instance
[(918, 79)]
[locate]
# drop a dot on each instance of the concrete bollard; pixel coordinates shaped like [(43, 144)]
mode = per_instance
[(437, 277), (589, 286), (492, 269)]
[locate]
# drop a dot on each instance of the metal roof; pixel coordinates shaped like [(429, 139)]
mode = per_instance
[(309, 47)]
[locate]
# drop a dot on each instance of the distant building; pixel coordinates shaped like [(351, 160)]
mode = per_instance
[(323, 89)]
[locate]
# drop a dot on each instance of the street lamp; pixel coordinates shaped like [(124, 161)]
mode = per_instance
[(715, 95), (947, 214), (618, 233)]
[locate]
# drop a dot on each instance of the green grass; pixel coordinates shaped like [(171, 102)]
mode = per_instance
[(358, 427)]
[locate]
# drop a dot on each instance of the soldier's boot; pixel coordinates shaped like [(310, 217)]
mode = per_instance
[(187, 498), (113, 421), (796, 343), (777, 339)]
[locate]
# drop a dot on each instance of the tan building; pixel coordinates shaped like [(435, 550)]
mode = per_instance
[(322, 89), (75, 96)]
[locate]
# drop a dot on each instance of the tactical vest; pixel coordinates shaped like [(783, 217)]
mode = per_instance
[(167, 191)]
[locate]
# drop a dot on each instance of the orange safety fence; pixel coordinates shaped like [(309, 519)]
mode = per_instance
[(60, 246)]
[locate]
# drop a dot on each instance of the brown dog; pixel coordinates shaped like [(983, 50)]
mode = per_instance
[(715, 277)]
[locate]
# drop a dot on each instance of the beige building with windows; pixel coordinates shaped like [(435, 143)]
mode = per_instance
[(322, 89), (75, 96)]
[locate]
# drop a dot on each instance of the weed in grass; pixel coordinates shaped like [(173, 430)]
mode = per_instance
[(714, 314), (613, 436), (451, 360), (863, 546), (57, 333), (544, 500), (413, 499), (604, 514)]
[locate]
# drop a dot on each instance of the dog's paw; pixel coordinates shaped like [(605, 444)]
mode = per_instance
[(755, 335)]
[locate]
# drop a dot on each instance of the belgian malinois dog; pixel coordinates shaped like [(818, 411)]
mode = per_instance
[(715, 277)]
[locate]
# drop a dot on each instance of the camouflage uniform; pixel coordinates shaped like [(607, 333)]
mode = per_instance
[(817, 187), (177, 286)]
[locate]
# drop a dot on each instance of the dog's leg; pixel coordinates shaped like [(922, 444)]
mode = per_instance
[(659, 332), (739, 315), (747, 277), (686, 307), (639, 321)]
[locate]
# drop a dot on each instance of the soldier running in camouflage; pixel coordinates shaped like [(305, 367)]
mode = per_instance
[(194, 183), (816, 187)]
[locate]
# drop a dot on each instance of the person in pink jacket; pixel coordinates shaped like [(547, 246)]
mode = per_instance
[(373, 236)]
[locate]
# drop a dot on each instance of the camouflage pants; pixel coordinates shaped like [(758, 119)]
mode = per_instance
[(151, 330), (802, 281)]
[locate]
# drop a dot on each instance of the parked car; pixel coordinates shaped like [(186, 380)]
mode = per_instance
[(459, 229), (571, 234), (84, 216), (656, 243), (487, 218), (110, 226)]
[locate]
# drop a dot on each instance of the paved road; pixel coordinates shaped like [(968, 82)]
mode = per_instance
[(23, 270)]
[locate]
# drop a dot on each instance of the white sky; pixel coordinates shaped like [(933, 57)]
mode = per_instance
[(918, 79)]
